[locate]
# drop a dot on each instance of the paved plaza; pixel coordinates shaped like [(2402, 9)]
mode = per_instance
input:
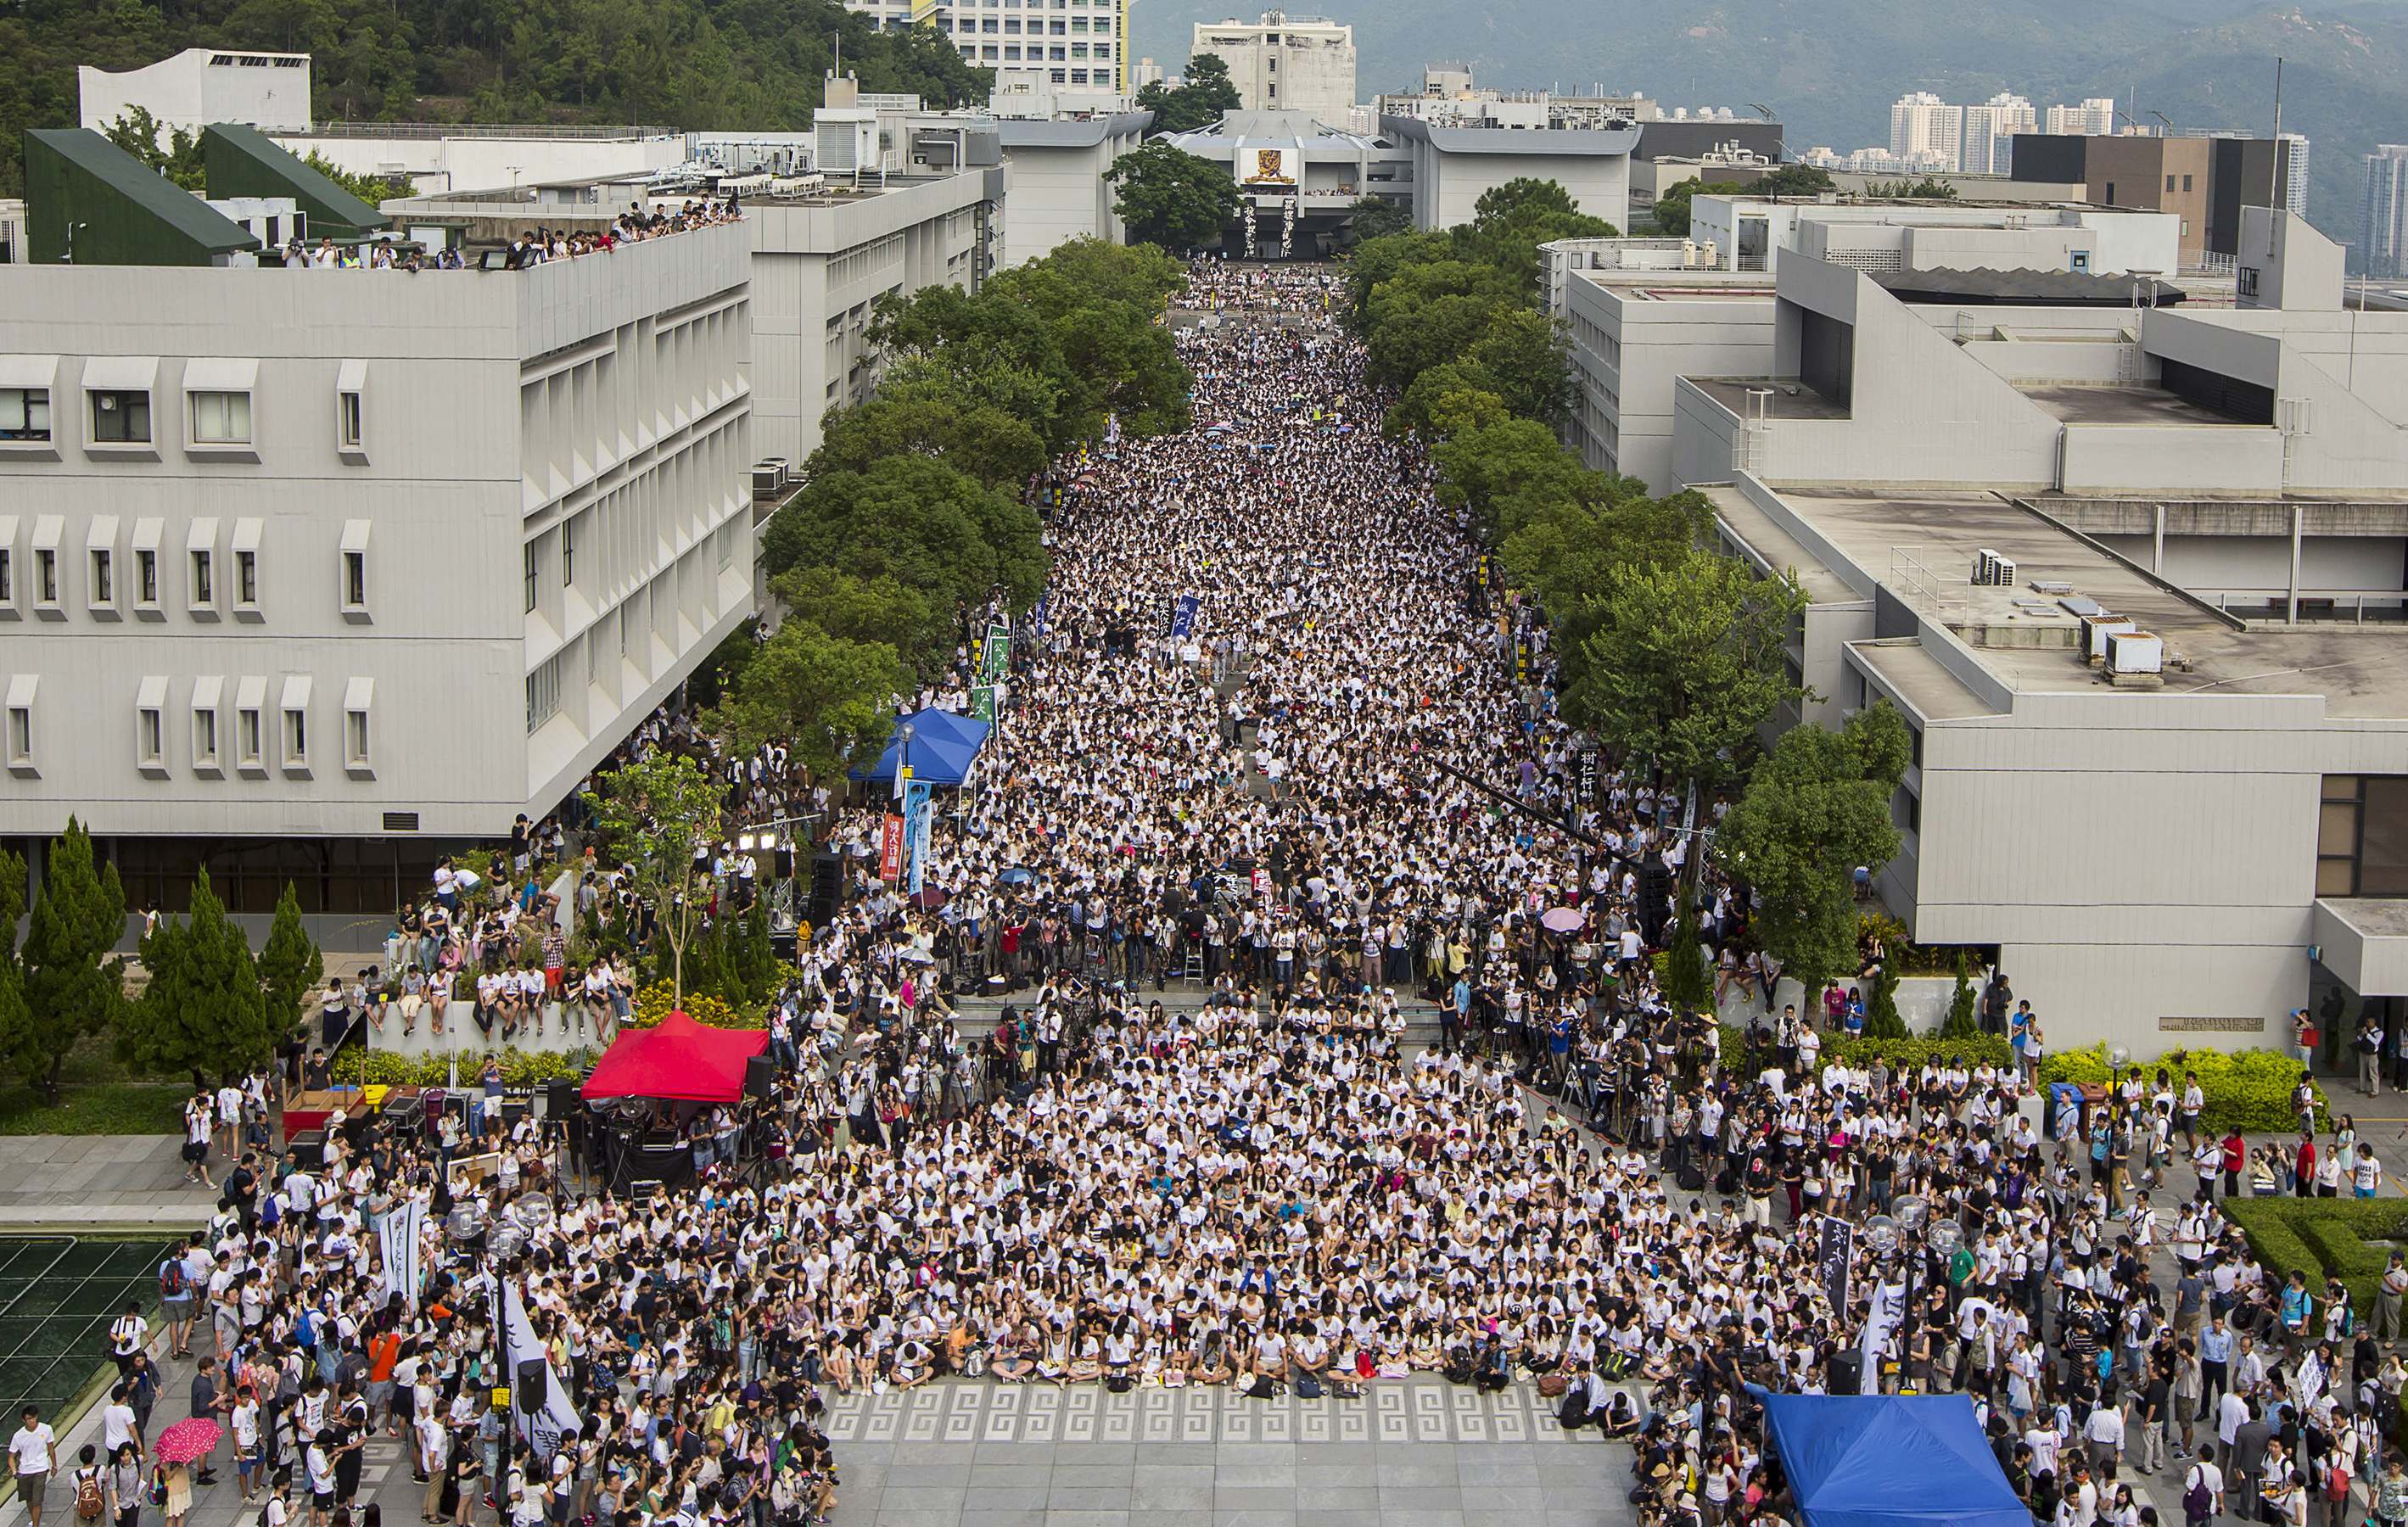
[(1408, 1453)]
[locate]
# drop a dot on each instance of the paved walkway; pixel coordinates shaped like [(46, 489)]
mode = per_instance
[(1411, 1453), (98, 1183)]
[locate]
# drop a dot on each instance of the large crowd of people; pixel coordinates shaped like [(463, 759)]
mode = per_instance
[(1214, 865)]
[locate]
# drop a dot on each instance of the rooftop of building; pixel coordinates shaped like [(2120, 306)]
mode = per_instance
[(2024, 288), (2101, 403), (1921, 547)]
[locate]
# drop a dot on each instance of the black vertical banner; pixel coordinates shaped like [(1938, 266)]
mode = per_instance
[(1839, 1239)]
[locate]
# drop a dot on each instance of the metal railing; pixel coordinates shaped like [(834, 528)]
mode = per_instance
[(425, 131)]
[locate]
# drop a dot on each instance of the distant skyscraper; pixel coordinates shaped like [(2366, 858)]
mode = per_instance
[(2295, 187), (2093, 118), (1990, 130), (1922, 126), (2383, 220)]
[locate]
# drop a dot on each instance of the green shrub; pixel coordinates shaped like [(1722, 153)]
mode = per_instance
[(1883, 1021), (520, 1068), (1961, 1021), (2250, 1089), (1902, 1054), (2322, 1238)]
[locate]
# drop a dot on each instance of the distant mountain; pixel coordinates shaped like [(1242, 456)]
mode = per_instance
[(1831, 68)]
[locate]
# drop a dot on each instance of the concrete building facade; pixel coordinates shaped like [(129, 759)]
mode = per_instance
[(2203, 623), (200, 86), (1453, 166), (1285, 62), (1058, 191), (314, 573)]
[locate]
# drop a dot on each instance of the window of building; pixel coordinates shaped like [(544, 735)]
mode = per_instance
[(149, 733), (2170, 182), (121, 419), (350, 407), (221, 419), (7, 575), (246, 581), (24, 414), (251, 725), (206, 692), (542, 694), (2186, 183), (203, 569), (356, 581), (295, 733), (530, 578), (46, 576), (104, 579), (146, 578), (349, 432), (359, 699), (2362, 835), (20, 720), (569, 553)]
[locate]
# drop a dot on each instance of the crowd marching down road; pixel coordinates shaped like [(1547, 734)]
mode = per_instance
[(1220, 852)]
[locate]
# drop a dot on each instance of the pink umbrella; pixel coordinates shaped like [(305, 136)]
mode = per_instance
[(1561, 919), (187, 1440)]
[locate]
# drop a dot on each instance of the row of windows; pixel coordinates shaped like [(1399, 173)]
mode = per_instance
[(1010, 26), (219, 419), (110, 572), (264, 735), (1059, 77)]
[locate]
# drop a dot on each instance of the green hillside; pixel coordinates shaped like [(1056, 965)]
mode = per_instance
[(734, 64)]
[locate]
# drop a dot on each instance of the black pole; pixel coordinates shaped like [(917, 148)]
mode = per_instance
[(1515, 803), (506, 1385)]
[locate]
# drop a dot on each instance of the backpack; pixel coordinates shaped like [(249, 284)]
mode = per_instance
[(87, 1495), (173, 1282), (2196, 1499)]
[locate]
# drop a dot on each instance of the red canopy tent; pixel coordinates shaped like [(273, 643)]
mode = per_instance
[(677, 1059)]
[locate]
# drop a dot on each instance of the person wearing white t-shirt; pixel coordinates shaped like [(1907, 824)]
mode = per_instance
[(33, 1455)]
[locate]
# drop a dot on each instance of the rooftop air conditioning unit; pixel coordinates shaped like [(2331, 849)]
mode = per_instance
[(2097, 629), (785, 472), (1990, 570), (765, 480), (2136, 652)]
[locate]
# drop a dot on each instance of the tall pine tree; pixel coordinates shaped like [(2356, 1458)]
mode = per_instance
[(290, 966), (205, 1007), (74, 988)]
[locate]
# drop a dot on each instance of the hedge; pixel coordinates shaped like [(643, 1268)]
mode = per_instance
[(1902, 1054), (2322, 1238), (2250, 1089), (520, 1068)]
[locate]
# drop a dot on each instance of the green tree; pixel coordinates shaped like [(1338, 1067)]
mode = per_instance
[(1795, 180), (1566, 548), (1379, 217), (919, 522), (1883, 1021), (206, 1007), (1510, 221), (1687, 661), (1673, 210), (873, 609), (825, 695), (1816, 809), (15, 1016), (999, 448), (371, 189), (1513, 458), (1962, 1022), (656, 814), (1203, 97), (75, 987), (175, 153), (290, 964), (1688, 984), (1171, 198)]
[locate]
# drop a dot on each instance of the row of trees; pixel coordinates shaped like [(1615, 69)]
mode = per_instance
[(913, 513), (1673, 654), (209, 1002)]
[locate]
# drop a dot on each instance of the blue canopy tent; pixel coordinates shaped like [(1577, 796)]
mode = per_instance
[(943, 745), (1888, 1460)]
